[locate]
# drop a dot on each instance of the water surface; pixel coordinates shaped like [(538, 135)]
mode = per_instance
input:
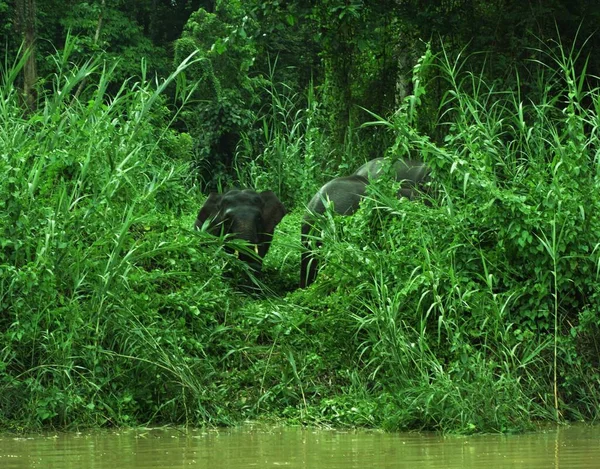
[(248, 447)]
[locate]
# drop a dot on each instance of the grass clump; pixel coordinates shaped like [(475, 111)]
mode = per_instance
[(98, 277), (469, 315)]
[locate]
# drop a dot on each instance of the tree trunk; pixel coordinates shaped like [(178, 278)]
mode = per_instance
[(99, 25), (25, 24), (404, 73)]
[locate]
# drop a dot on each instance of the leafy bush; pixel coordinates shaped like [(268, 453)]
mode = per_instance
[(475, 314), (472, 312), (99, 282), (222, 102)]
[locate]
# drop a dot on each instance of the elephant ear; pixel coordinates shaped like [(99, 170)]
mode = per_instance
[(273, 211), (208, 210)]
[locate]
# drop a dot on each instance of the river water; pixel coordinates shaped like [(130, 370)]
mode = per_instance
[(563, 447)]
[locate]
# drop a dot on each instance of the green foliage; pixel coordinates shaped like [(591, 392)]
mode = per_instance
[(225, 91), (474, 314), (360, 69), (127, 31), (470, 309), (290, 146), (110, 30), (286, 34), (98, 281)]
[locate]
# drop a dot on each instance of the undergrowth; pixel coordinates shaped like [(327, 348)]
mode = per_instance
[(474, 312)]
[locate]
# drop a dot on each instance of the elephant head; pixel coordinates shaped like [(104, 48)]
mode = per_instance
[(245, 214)]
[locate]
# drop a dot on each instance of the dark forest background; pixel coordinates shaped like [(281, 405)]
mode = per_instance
[(353, 54)]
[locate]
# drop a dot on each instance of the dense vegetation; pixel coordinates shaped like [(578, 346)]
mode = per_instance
[(477, 313)]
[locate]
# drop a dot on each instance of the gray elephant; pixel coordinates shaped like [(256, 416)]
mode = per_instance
[(346, 192), (412, 174), (245, 214)]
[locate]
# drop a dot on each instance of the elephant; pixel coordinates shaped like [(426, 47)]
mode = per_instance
[(346, 192), (412, 174), (245, 214)]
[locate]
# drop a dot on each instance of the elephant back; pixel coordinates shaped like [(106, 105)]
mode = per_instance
[(343, 192), (413, 174)]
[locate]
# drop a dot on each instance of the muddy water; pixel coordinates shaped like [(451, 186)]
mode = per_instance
[(564, 447)]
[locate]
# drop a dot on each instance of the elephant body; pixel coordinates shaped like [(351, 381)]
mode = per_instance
[(412, 174), (245, 214), (345, 194)]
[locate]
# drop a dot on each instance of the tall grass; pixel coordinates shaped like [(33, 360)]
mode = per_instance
[(290, 152), (474, 314), (97, 276), (473, 311)]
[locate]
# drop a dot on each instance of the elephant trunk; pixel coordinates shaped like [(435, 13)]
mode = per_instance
[(245, 230)]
